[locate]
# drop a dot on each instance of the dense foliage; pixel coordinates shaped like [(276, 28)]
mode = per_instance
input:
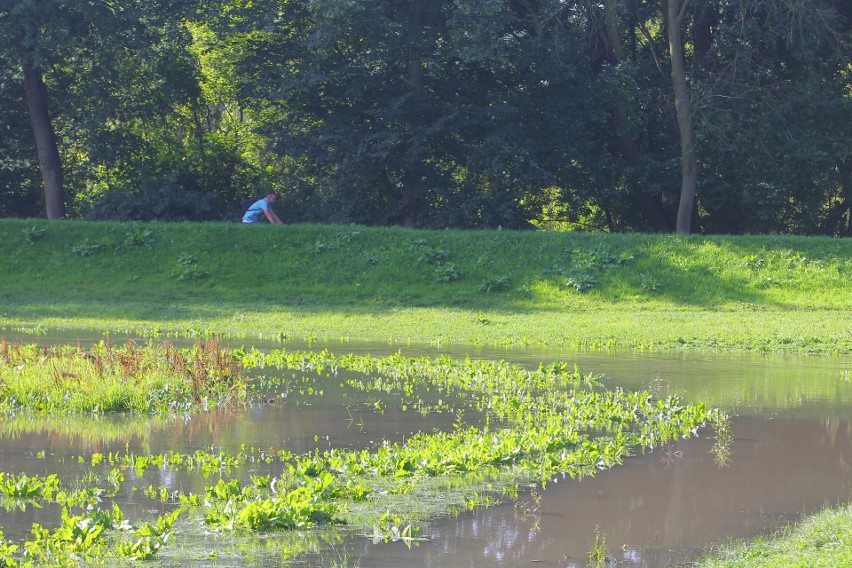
[(450, 113)]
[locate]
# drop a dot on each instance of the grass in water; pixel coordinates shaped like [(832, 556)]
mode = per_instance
[(152, 377)]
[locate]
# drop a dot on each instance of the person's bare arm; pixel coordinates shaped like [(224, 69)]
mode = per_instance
[(273, 218)]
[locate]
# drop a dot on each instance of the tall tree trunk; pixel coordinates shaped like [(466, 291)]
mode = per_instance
[(411, 180), (45, 139), (683, 108)]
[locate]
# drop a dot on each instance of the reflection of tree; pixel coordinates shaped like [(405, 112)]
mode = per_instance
[(834, 434)]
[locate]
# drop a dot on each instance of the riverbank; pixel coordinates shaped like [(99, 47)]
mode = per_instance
[(823, 540), (390, 284)]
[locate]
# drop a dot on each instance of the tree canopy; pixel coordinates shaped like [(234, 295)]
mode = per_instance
[(715, 116)]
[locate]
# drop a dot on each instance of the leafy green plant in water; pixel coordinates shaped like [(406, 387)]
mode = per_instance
[(299, 508), (149, 538), (78, 536), (597, 554), (391, 528), (8, 552), (26, 487)]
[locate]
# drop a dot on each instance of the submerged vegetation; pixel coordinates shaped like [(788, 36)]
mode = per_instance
[(532, 427)]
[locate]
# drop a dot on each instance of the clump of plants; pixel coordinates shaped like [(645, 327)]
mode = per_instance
[(439, 259), (188, 269), (152, 377), (589, 265)]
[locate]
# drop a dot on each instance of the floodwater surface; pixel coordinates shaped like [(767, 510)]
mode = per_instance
[(791, 456)]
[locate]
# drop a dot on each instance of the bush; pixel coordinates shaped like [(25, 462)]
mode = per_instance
[(166, 201)]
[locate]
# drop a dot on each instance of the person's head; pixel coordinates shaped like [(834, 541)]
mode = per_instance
[(270, 197)]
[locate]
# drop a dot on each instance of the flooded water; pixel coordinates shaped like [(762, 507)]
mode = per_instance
[(792, 453)]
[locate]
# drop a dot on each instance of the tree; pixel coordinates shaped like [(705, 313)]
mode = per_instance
[(22, 25), (675, 12), (45, 38), (772, 120)]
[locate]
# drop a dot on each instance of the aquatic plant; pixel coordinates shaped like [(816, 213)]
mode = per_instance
[(598, 554), (152, 377)]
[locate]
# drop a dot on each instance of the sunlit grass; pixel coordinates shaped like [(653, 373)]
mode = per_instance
[(821, 541), (152, 377), (493, 287)]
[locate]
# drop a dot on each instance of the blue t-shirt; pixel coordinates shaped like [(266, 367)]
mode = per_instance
[(254, 212)]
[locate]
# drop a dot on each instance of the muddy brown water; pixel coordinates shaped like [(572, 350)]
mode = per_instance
[(792, 454)]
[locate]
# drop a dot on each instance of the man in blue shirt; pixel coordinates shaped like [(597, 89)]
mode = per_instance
[(262, 207)]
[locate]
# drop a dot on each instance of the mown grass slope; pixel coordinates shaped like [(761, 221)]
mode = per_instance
[(653, 291)]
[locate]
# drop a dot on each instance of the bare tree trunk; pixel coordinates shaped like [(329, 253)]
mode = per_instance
[(411, 180), (45, 139), (683, 108)]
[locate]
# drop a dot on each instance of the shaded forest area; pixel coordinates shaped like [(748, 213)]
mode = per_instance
[(711, 116)]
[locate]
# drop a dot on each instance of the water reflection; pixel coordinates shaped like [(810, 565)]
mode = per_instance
[(656, 509)]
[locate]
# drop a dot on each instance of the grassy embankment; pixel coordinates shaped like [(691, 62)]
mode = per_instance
[(821, 541), (391, 284)]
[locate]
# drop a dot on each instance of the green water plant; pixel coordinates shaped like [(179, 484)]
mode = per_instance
[(148, 539), (152, 377), (598, 555)]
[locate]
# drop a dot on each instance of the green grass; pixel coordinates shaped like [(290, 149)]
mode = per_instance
[(493, 287), (823, 540)]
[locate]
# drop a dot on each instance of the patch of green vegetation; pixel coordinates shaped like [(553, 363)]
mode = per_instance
[(153, 377), (821, 541), (598, 554)]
